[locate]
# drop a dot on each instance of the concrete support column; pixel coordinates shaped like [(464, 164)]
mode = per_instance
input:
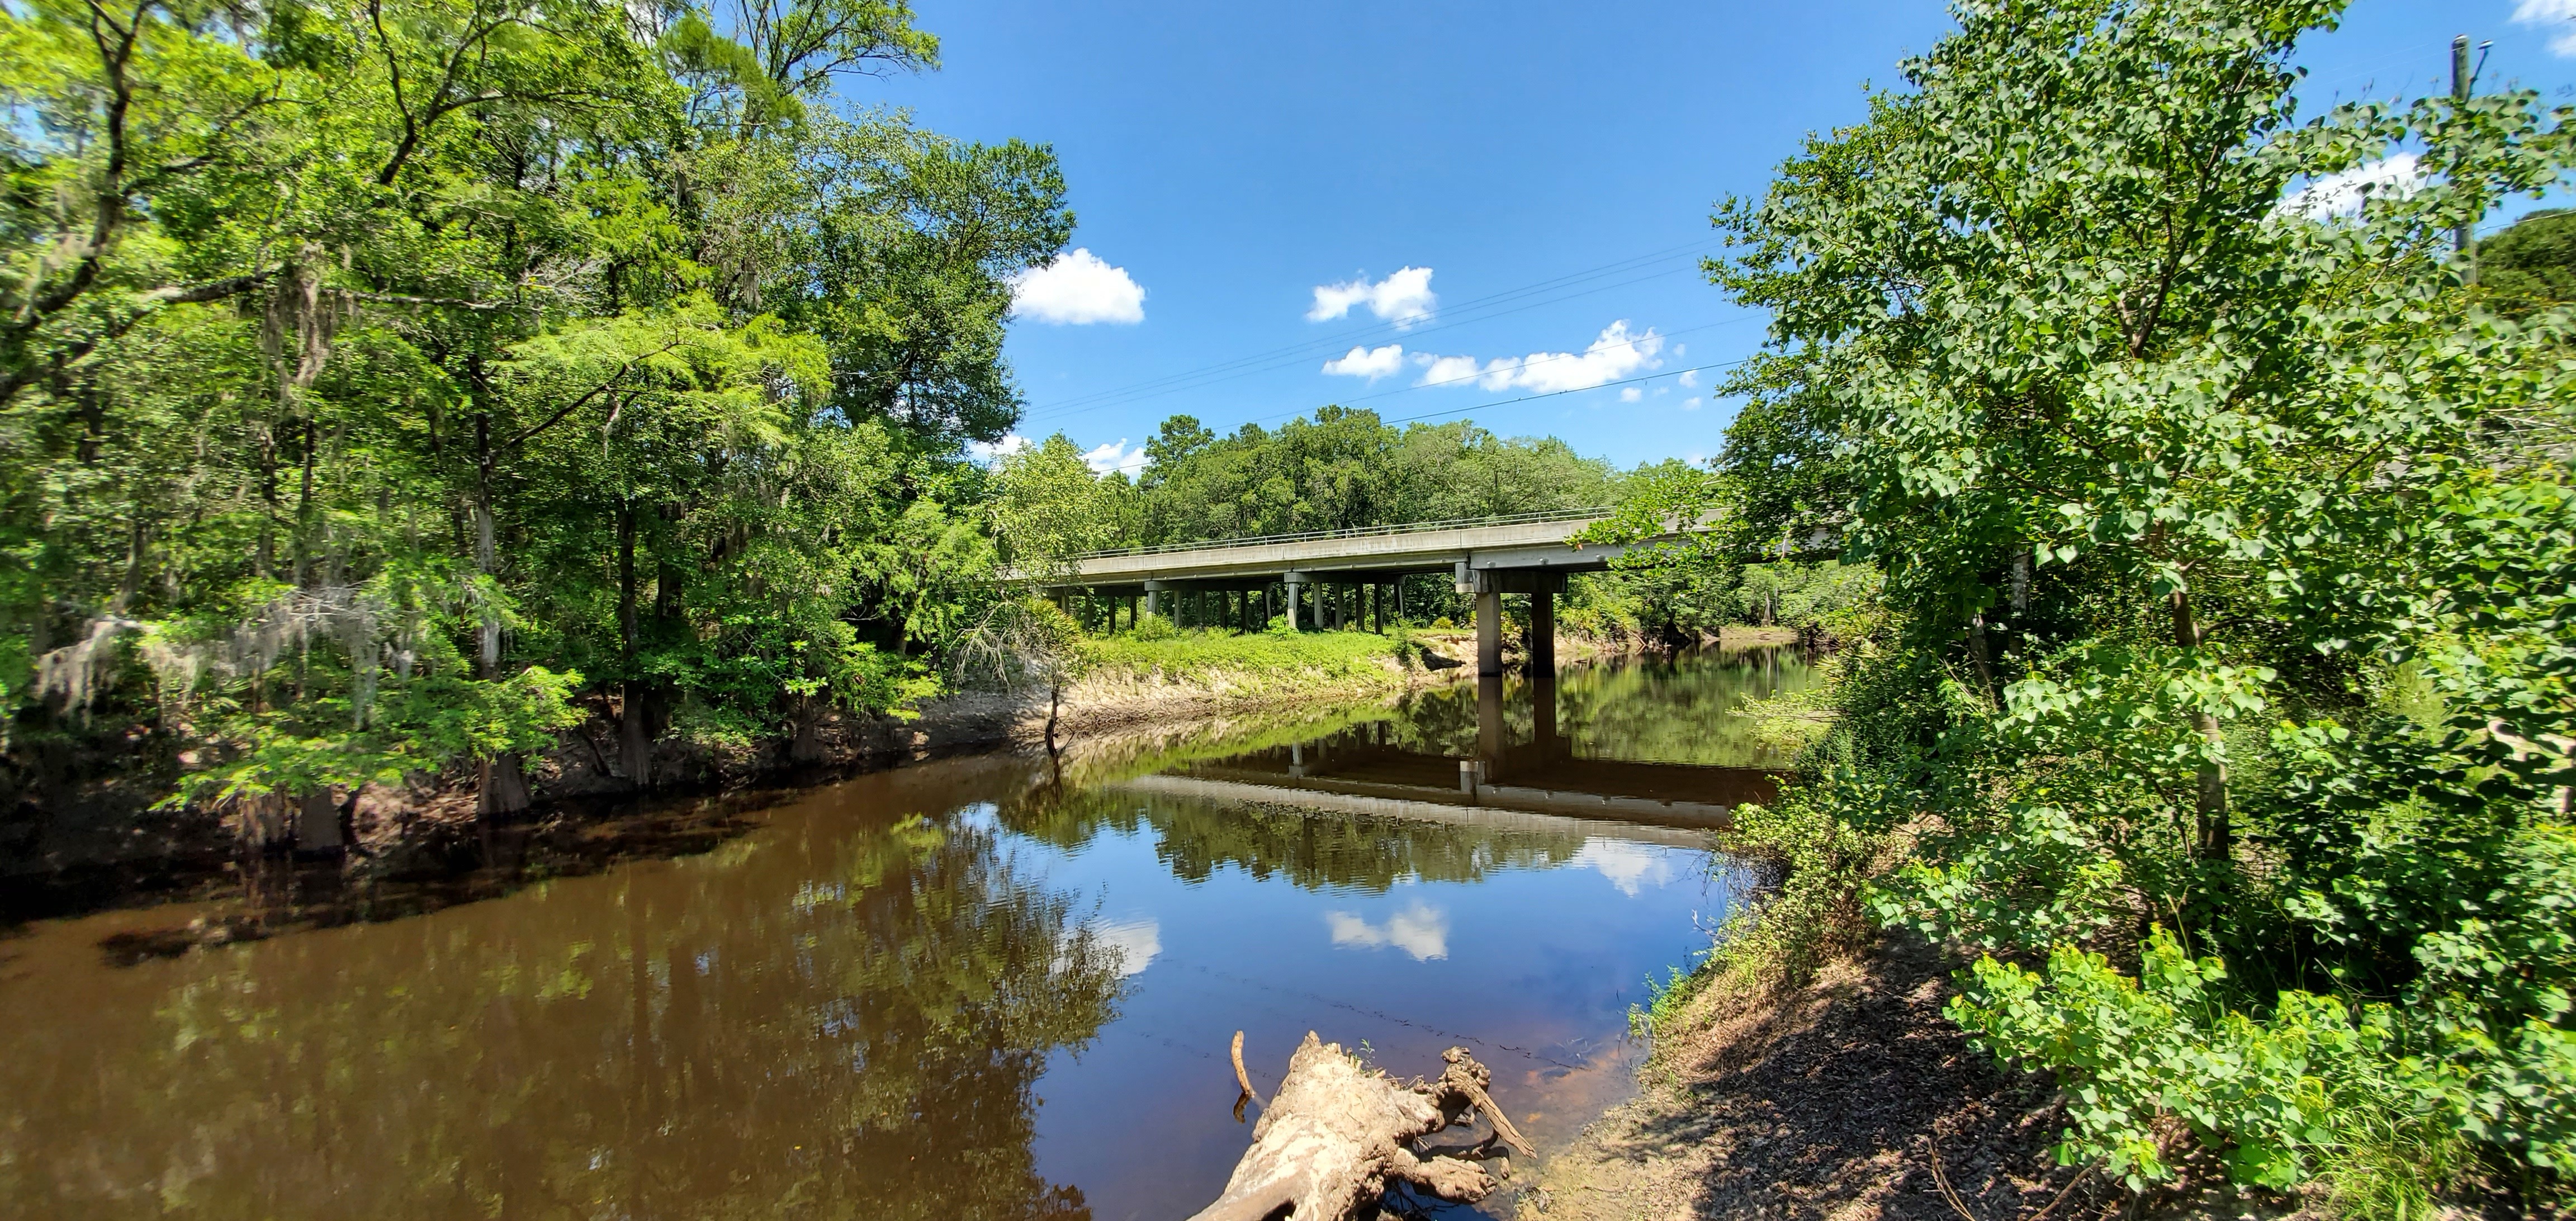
[(1156, 601), (1543, 714), (1489, 628), (1489, 725), (1292, 583), (1542, 630)]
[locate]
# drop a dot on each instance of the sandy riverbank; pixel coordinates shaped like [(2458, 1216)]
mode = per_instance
[(1833, 1100)]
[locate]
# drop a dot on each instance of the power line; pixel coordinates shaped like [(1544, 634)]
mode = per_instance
[(1479, 375), (1479, 309), (1199, 383), (1544, 394), (1337, 338), (1303, 353)]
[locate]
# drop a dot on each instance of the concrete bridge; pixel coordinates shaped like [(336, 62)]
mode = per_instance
[(1540, 784), (1327, 578)]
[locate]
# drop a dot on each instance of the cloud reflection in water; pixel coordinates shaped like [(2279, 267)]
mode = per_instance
[(1420, 930)]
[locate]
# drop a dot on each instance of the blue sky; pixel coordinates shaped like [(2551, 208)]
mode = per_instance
[(1517, 192)]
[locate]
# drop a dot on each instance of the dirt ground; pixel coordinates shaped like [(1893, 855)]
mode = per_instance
[(1833, 1102)]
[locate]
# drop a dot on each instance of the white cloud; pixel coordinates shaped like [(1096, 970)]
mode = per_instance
[(1115, 456), (2342, 194), (1691, 403), (1404, 298), (1689, 377), (1011, 443), (1420, 930), (1630, 867), (1136, 942), (2538, 12), (1630, 394), (1615, 355), (1437, 370), (1371, 363), (1076, 289)]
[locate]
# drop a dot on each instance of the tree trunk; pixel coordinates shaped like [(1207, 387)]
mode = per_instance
[(634, 741), (807, 744), (502, 783), (1335, 1134), (1977, 654), (2216, 837), (317, 825)]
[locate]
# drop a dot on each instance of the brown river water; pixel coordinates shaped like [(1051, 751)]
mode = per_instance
[(990, 987)]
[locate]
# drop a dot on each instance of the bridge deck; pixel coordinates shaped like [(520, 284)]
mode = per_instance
[(1537, 541)]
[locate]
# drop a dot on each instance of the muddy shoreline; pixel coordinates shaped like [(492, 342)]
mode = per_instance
[(86, 843)]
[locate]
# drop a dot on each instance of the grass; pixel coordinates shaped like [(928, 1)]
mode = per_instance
[(1238, 660)]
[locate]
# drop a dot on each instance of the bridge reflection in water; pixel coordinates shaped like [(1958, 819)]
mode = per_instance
[(1536, 781)]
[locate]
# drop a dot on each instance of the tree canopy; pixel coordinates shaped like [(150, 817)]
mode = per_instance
[(2222, 675), (385, 380)]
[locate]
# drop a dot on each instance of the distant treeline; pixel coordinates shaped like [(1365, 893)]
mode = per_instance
[(1344, 468)]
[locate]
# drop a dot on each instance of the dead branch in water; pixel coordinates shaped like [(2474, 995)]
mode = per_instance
[(1336, 1132)]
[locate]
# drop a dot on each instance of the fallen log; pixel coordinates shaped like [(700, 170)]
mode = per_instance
[(1337, 1132)]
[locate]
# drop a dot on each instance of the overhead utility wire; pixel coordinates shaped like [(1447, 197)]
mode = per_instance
[(1544, 394), (1060, 413), (1482, 373), (1477, 310), (1304, 352), (1337, 338)]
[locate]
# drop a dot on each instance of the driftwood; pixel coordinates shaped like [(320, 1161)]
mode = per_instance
[(1337, 1132)]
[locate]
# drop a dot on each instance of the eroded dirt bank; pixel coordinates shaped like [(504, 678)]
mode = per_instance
[(1851, 1098), (83, 832), (1832, 1101), (1828, 1101)]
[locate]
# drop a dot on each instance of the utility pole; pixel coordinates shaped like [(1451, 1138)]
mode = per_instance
[(2459, 99)]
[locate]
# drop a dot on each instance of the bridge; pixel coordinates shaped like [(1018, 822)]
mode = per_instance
[(1325, 578), (1538, 784)]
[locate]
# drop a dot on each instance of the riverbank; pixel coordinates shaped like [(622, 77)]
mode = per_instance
[(1827, 1100), (92, 832), (1853, 1096)]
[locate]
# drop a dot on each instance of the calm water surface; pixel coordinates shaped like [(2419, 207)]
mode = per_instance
[(983, 988)]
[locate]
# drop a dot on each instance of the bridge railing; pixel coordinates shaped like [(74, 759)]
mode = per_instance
[(1307, 536)]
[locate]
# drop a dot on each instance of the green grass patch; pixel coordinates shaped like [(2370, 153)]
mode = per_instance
[(1209, 655)]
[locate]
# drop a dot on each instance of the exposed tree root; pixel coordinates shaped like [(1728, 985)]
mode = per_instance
[(1336, 1133)]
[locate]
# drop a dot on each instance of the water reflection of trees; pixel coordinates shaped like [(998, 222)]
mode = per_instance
[(1665, 713), (1645, 711), (1313, 849), (843, 1025)]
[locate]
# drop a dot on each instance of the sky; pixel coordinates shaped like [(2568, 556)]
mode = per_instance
[(1436, 211)]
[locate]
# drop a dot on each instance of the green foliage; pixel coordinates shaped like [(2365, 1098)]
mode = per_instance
[(1048, 509), (1282, 659), (2267, 1091), (2228, 569), (2533, 262), (1811, 914), (1344, 468), (578, 349)]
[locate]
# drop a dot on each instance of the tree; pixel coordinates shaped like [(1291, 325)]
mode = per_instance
[(2153, 448), (383, 366), (2533, 262)]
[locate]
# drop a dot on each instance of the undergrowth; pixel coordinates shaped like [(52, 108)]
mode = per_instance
[(1203, 655)]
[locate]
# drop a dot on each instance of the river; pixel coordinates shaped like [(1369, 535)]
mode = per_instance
[(989, 987)]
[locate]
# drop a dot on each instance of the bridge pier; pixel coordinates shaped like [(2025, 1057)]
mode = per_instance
[(1489, 627), (1542, 630), (1294, 583)]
